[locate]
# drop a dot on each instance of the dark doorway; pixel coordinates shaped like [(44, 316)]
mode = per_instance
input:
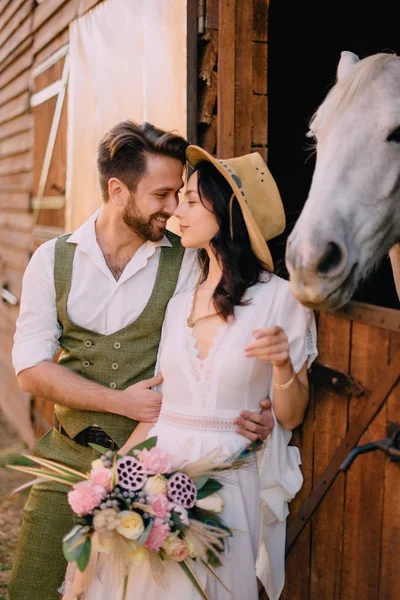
[(305, 41)]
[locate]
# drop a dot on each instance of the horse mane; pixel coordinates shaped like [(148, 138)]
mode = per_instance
[(351, 87)]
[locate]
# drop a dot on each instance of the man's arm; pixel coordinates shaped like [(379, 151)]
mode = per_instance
[(49, 380)]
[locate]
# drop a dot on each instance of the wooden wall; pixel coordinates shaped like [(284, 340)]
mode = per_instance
[(30, 32)]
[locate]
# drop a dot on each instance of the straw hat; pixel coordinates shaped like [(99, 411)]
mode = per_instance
[(257, 195)]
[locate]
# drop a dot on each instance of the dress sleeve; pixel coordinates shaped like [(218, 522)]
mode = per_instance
[(298, 323)]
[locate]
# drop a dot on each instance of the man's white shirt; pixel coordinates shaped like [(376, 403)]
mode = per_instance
[(96, 300)]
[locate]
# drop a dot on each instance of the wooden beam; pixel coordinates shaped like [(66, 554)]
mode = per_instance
[(376, 316), (226, 79), (243, 77), (17, 125)]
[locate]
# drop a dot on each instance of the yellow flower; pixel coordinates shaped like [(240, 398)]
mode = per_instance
[(213, 502), (156, 485), (131, 525)]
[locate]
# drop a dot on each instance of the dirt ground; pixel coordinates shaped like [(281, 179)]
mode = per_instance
[(10, 506)]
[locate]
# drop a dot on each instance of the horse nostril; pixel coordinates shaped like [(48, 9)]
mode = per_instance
[(331, 259)]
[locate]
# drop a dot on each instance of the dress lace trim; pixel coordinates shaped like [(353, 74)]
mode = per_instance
[(195, 422)]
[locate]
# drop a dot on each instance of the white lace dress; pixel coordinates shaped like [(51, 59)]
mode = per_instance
[(200, 399)]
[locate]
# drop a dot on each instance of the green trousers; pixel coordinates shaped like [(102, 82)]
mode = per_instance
[(39, 565)]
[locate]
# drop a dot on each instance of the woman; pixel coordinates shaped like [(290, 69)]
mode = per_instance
[(238, 336)]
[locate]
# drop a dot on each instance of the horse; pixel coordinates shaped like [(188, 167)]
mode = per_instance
[(351, 218)]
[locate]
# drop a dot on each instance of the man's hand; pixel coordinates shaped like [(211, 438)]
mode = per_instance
[(141, 403), (256, 426)]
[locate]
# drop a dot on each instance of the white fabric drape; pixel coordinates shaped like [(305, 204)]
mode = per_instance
[(127, 61)]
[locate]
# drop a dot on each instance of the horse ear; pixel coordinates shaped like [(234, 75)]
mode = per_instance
[(346, 64)]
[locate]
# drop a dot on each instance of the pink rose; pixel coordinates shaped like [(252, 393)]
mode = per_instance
[(85, 496), (155, 461), (102, 477), (157, 536), (176, 549), (160, 505)]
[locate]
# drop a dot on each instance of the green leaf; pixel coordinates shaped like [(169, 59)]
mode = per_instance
[(147, 444), (125, 590), (213, 560), (210, 487), (192, 577), (74, 541), (201, 481), (177, 521), (100, 449), (84, 557)]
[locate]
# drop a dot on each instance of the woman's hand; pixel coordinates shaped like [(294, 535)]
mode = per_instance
[(271, 345)]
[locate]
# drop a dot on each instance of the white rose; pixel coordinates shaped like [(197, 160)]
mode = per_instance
[(97, 464), (213, 502)]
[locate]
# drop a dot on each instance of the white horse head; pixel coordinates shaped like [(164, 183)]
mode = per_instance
[(352, 214)]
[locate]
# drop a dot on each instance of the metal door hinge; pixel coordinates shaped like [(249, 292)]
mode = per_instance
[(336, 381)]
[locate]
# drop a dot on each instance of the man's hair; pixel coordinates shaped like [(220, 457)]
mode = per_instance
[(122, 152)]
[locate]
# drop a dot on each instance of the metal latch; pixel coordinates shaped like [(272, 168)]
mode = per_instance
[(336, 381), (390, 446)]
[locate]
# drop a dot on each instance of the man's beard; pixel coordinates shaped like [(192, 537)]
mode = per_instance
[(145, 229)]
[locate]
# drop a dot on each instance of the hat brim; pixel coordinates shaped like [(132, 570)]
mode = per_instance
[(195, 155)]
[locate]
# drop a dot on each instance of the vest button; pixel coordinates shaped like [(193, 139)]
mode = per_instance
[(86, 363), (115, 366), (113, 385), (88, 343), (117, 345)]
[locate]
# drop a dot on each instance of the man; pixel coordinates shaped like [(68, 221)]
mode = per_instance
[(100, 295)]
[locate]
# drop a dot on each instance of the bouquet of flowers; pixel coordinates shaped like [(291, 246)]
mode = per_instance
[(139, 507)]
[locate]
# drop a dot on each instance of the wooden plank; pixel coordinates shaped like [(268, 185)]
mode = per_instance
[(208, 136), (46, 10), (298, 561), (208, 100), (16, 164), (17, 182), (14, 107), (16, 144), (55, 25), (14, 258), (18, 66), (7, 30), (15, 88), (49, 76), (260, 121), (226, 78), (24, 46), (330, 428), (260, 21), (3, 5), (18, 240), (16, 39), (376, 316), (243, 77), (17, 125), (16, 404), (208, 57), (7, 13), (211, 14), (51, 48), (16, 221), (260, 67), (262, 150), (389, 581), (363, 509), (16, 201)]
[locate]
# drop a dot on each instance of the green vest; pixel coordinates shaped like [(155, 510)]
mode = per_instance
[(117, 360)]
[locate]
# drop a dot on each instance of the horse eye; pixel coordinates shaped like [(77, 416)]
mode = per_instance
[(394, 136)]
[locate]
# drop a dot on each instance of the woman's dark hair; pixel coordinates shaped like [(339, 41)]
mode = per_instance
[(240, 266)]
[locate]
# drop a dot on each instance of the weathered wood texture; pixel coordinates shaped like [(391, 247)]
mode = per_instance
[(29, 34), (232, 116)]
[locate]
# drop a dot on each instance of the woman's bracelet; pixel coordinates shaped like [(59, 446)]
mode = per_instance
[(284, 386)]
